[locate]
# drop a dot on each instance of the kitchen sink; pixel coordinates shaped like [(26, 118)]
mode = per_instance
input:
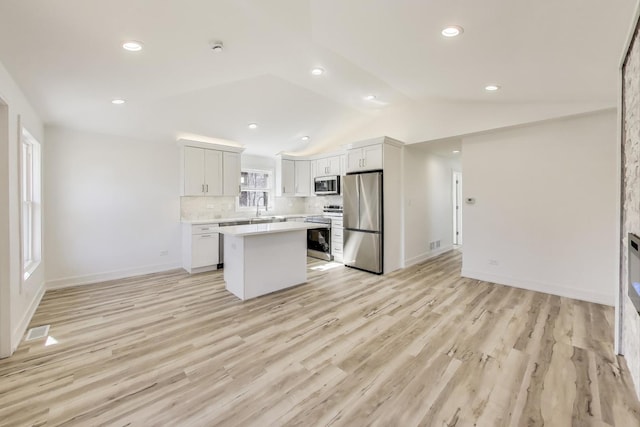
[(267, 219)]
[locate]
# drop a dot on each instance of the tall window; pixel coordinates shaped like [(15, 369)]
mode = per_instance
[(31, 203), (255, 188)]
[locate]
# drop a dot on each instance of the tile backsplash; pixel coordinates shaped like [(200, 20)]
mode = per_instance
[(202, 208)]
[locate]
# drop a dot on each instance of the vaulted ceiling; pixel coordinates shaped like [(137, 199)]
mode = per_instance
[(551, 58)]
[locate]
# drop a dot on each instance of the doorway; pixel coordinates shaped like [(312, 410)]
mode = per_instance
[(457, 208)]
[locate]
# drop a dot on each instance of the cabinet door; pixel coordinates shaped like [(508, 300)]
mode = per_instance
[(372, 157), (231, 174), (303, 178), (213, 172), (204, 250), (354, 160), (322, 167), (194, 184), (333, 165), (288, 177)]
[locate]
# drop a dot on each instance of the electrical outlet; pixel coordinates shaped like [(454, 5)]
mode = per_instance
[(493, 262), (164, 253)]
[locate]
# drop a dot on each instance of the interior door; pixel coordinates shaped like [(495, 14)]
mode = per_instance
[(457, 208)]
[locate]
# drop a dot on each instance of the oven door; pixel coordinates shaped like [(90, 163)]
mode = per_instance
[(319, 243)]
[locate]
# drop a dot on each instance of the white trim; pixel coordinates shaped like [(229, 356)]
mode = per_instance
[(547, 288), (19, 332), (182, 142), (619, 303), (90, 279), (425, 256)]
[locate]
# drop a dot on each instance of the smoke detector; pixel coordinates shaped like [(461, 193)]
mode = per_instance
[(217, 47)]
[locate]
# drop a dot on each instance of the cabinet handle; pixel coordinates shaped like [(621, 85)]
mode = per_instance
[(207, 188), (364, 162), (205, 235), (203, 188)]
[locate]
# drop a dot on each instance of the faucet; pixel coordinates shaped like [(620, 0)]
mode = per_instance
[(266, 208)]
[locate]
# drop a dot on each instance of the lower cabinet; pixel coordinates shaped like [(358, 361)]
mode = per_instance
[(336, 239), (200, 250)]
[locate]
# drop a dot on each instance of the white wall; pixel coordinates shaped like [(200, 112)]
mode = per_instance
[(18, 300), (545, 207), (428, 203), (113, 207), (417, 121)]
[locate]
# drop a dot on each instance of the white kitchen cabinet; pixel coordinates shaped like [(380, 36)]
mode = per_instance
[(209, 169), (231, 174), (303, 178), (293, 177), (328, 166), (288, 177), (202, 172), (200, 247), (336, 239), (364, 158)]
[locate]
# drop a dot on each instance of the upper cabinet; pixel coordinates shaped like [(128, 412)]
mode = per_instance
[(231, 173), (293, 177), (364, 158), (287, 174), (303, 178), (209, 171), (328, 166)]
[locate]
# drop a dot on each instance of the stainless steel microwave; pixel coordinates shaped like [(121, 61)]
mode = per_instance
[(326, 185)]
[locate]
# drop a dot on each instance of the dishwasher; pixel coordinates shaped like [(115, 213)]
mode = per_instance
[(221, 239)]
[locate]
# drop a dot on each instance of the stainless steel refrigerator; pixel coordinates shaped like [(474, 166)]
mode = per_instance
[(363, 231)]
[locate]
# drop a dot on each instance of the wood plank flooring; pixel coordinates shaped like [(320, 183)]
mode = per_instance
[(421, 346)]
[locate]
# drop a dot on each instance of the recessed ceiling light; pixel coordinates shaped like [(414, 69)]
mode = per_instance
[(452, 31), (455, 151), (253, 125), (491, 88), (132, 46), (317, 71), (370, 97), (305, 138), (118, 101)]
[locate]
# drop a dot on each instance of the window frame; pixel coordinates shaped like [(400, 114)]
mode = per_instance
[(245, 188), (30, 203)]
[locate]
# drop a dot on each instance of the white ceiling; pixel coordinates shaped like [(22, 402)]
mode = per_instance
[(66, 56)]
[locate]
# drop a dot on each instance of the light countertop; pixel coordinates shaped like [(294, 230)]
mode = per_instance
[(223, 220), (268, 228)]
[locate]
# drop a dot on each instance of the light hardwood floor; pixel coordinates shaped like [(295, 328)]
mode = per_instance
[(421, 346)]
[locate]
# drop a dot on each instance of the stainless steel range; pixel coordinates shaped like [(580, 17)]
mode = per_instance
[(319, 239)]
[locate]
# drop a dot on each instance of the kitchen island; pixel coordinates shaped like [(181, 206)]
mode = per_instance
[(264, 258)]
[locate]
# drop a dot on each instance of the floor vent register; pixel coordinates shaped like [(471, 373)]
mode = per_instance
[(37, 332)]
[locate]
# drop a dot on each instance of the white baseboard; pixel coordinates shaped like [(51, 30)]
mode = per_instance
[(547, 288), (89, 279), (427, 255), (18, 333)]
